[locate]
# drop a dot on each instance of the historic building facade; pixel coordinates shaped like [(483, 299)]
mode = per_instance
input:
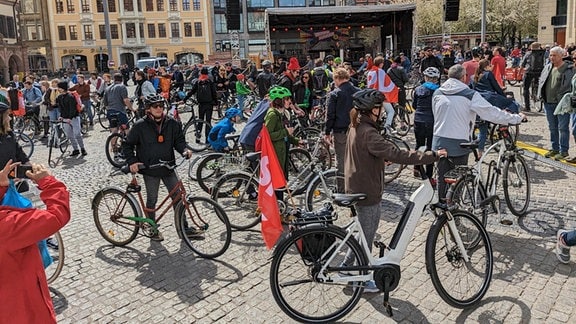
[(12, 52)]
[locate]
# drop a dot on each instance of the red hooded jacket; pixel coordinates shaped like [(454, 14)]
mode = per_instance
[(24, 295)]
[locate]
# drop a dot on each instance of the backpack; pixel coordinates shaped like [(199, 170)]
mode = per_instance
[(78, 100), (319, 79), (204, 92), (537, 61)]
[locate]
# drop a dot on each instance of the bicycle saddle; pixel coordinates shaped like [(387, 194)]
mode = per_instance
[(346, 200), (253, 156), (231, 136), (471, 145)]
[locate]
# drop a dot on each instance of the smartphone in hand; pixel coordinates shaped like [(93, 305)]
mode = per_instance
[(20, 172)]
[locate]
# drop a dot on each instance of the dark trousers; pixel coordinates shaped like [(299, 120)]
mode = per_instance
[(205, 113), (423, 133), (444, 166), (528, 79)]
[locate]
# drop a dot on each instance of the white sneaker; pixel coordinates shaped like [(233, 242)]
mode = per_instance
[(562, 250), (370, 287)]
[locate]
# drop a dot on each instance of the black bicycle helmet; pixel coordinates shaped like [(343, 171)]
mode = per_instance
[(477, 51), (152, 99), (329, 58), (365, 100), (266, 63), (3, 107)]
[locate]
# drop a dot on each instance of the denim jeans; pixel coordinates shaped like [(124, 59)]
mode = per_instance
[(558, 125), (88, 109), (573, 120), (482, 135), (389, 113), (153, 185), (423, 133), (241, 99), (570, 238)]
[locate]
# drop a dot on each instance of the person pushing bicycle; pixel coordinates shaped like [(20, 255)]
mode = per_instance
[(151, 140)]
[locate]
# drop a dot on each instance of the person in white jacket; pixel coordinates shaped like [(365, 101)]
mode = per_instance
[(455, 107)]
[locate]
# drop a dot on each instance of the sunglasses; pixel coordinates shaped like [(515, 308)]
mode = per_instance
[(305, 77), (157, 105)]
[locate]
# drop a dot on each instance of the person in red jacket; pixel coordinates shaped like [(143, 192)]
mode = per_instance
[(24, 294)]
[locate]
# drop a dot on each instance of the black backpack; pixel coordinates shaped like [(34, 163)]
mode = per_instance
[(319, 79), (204, 92), (537, 61)]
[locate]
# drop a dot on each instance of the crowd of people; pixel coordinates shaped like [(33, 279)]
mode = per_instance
[(356, 114)]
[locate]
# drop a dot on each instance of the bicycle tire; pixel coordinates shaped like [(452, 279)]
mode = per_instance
[(53, 270), (210, 168), (237, 194), (512, 82), (298, 159), (216, 231), (402, 118), (446, 266), (84, 123), (52, 142), (103, 120), (293, 270), (26, 143), (195, 134), (108, 206), (311, 135), (193, 166), (516, 167), (393, 170), (113, 150), (468, 197), (317, 195)]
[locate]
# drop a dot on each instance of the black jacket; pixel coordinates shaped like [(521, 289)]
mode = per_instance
[(339, 105), (11, 150), (144, 138), (205, 98), (67, 104)]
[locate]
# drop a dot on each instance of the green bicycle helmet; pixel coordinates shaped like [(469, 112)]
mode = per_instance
[(279, 93)]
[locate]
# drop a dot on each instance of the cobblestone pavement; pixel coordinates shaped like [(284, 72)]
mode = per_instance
[(166, 283)]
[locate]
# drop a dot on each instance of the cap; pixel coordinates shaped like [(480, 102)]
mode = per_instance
[(63, 85)]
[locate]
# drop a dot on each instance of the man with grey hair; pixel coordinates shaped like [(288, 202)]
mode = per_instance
[(555, 81), (455, 107)]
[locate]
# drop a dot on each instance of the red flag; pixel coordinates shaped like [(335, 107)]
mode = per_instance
[(271, 177)]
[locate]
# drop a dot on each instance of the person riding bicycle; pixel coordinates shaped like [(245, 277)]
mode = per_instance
[(366, 155), (533, 64), (24, 293), (151, 140), (217, 135)]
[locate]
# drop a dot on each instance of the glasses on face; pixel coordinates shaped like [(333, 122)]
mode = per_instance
[(305, 77), (157, 105)]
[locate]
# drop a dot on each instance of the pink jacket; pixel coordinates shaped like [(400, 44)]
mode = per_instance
[(24, 295)]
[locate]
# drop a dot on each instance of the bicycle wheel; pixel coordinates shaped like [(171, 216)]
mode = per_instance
[(193, 166), (195, 132), (237, 194), (295, 265), (103, 120), (467, 197), (312, 135), (298, 159), (402, 122), (110, 209), (516, 185), (56, 250), (320, 191), (113, 150), (393, 170), (84, 123), (210, 168), (459, 283), (205, 227), (26, 143)]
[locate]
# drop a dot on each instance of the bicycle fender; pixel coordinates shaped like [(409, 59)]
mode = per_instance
[(129, 196)]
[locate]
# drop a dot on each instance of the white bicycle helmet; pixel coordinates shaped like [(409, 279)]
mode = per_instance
[(432, 72)]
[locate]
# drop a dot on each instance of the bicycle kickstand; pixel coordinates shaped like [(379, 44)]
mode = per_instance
[(387, 303)]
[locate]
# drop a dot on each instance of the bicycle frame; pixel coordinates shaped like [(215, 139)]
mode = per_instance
[(399, 243)]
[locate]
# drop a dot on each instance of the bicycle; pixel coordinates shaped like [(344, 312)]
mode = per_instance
[(393, 170), (237, 191), (119, 216), (401, 118), (57, 139), (308, 274), (195, 130), (474, 189), (114, 142), (27, 124), (25, 142)]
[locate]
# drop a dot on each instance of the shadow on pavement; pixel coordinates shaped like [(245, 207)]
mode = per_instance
[(402, 310), (60, 302), (497, 310)]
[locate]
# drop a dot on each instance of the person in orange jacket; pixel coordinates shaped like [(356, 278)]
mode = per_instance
[(24, 294)]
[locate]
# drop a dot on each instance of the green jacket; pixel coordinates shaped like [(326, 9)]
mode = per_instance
[(275, 122)]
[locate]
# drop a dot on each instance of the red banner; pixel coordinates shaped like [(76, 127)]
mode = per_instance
[(271, 178)]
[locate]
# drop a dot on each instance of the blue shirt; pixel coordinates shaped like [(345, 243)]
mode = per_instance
[(32, 95)]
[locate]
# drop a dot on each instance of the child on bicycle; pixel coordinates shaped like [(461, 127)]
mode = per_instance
[(151, 140), (366, 155), (217, 135)]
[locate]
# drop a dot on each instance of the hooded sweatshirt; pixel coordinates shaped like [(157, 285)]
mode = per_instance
[(455, 107)]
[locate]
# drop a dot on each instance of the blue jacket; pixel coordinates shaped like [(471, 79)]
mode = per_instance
[(254, 124), (217, 135), (423, 102), (340, 103)]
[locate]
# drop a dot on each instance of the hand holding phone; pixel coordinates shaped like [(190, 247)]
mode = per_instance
[(20, 171)]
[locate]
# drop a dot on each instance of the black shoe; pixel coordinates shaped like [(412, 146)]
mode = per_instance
[(157, 237), (75, 153), (84, 152), (91, 123), (194, 234)]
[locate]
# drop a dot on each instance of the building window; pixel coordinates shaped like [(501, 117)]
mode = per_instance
[(130, 30), (185, 5), (73, 32), (162, 30), (141, 31), (256, 21), (85, 5), (28, 6), (11, 27), (187, 29), (175, 30), (261, 3), (111, 6), (198, 29), (220, 24), (114, 31), (173, 4), (70, 6), (128, 5), (61, 33), (88, 35), (149, 5), (196, 5), (321, 3), (59, 6), (292, 3), (151, 31), (102, 31), (160, 5), (219, 4)]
